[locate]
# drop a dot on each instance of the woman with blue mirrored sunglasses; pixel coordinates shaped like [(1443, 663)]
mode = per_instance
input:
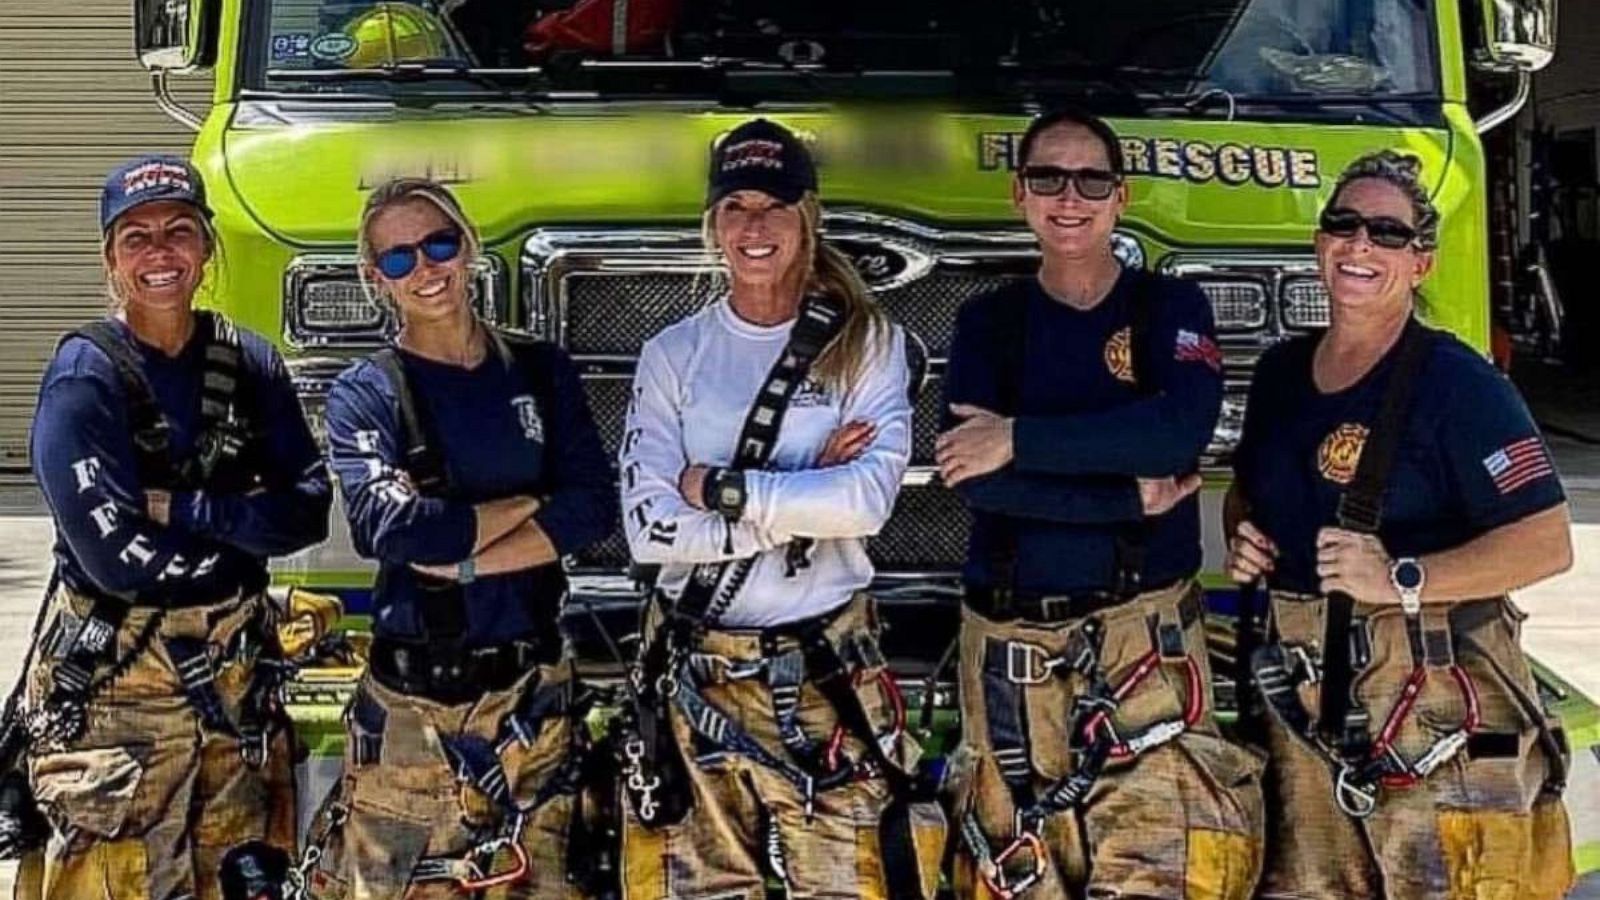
[(400, 260), (470, 465)]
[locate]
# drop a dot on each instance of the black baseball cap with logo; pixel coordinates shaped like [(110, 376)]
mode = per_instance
[(761, 155)]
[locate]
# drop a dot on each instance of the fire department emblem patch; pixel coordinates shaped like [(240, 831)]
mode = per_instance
[(1340, 453), (1119, 355)]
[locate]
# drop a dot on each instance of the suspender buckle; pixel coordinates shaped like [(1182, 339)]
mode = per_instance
[(1028, 663)]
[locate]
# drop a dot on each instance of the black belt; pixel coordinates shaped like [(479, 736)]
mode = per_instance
[(1000, 605), (454, 674)]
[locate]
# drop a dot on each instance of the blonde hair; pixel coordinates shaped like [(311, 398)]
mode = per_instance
[(830, 273), (394, 192), (211, 271)]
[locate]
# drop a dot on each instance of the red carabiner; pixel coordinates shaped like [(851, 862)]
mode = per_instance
[(897, 706), (1402, 708), (1194, 703), (512, 876), (994, 876)]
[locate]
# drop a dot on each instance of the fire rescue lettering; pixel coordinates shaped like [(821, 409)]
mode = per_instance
[(88, 471), (105, 518), (1197, 162), (137, 552)]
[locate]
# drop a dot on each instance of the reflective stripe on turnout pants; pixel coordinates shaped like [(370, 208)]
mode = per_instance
[(748, 821), (1480, 826), (1182, 820), (147, 801)]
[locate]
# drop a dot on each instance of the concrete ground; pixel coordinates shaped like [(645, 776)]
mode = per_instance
[(1563, 627)]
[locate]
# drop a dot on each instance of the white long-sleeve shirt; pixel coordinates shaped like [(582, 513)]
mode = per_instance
[(695, 384)]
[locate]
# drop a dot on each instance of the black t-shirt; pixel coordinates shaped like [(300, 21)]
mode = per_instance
[(1470, 458)]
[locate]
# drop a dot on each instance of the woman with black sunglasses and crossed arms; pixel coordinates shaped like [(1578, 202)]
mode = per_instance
[(1436, 774), (469, 465), (1084, 397)]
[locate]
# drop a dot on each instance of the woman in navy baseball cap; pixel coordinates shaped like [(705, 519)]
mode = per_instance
[(175, 459)]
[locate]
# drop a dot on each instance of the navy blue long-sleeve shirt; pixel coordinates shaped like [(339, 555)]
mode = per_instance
[(214, 543), (1084, 432), (498, 440), (1470, 458)]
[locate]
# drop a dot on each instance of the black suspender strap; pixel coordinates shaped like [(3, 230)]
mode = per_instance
[(423, 458), (439, 603), (1361, 510), (1006, 713), (151, 432), (833, 679), (1007, 348), (224, 432), (1132, 543)]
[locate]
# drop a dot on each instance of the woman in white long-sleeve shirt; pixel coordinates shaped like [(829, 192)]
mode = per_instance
[(762, 674)]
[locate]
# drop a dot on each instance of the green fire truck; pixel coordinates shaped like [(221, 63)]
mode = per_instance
[(576, 134)]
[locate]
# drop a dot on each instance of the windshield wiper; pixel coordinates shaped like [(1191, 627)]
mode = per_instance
[(416, 72)]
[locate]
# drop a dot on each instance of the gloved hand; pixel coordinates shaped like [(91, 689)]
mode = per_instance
[(22, 826), (254, 870)]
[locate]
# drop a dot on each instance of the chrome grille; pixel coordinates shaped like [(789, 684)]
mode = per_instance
[(603, 294), (608, 399), (612, 314)]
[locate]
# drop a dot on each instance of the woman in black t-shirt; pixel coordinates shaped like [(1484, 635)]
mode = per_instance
[(1439, 750)]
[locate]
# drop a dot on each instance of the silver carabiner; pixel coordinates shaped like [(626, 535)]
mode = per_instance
[(1355, 801)]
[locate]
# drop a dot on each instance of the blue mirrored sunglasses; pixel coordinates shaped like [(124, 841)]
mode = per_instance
[(401, 259)]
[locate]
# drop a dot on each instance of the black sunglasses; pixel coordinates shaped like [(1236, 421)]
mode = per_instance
[(1050, 181), (1384, 231), (401, 259)]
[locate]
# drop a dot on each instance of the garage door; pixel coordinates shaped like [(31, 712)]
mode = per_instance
[(73, 104)]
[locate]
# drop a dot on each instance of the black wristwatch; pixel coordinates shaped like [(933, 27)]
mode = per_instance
[(723, 493)]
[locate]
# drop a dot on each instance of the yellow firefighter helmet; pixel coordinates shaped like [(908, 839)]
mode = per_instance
[(391, 33)]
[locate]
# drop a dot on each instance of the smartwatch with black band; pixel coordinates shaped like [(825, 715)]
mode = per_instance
[(724, 493)]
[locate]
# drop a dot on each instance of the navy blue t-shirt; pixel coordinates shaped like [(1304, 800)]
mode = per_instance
[(1084, 430), (498, 440), (1469, 460), (214, 543)]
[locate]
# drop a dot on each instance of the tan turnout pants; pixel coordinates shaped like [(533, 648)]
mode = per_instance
[(1182, 820), (147, 801), (400, 802), (748, 821), (1481, 827)]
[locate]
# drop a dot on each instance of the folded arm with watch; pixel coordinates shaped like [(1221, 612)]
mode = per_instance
[(523, 546)]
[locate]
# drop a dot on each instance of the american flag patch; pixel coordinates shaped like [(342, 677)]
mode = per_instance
[(1517, 464), (1198, 348)]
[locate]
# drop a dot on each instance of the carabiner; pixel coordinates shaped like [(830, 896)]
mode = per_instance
[(1357, 802), (513, 842), (994, 877)]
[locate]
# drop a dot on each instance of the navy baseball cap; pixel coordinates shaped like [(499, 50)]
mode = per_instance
[(761, 155), (149, 179)]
